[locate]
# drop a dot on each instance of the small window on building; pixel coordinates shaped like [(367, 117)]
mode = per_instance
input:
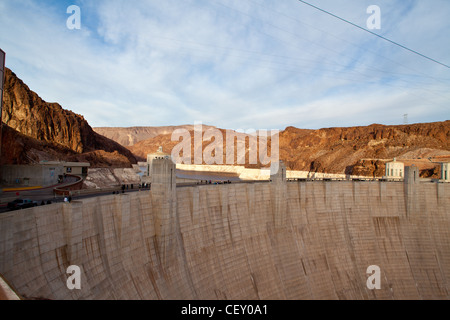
[(392, 172), (69, 170)]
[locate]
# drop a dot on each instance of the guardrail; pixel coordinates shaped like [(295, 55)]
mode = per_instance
[(87, 192), (342, 179), (68, 189)]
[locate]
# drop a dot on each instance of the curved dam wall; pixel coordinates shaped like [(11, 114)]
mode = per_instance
[(302, 240)]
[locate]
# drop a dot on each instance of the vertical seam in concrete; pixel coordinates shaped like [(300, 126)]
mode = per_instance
[(184, 257)]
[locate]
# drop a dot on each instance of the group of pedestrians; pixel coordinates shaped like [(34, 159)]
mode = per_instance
[(215, 182)]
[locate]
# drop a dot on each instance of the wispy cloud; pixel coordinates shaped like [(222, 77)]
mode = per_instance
[(234, 64)]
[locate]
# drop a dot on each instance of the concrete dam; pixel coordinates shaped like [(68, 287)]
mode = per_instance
[(250, 241)]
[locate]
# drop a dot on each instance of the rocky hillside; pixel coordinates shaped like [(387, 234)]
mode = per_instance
[(25, 112), (18, 149), (359, 150), (354, 150), (130, 136), (141, 149)]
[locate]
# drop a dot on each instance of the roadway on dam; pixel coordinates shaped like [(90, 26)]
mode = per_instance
[(46, 194)]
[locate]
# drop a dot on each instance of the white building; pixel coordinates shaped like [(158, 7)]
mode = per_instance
[(160, 154), (395, 170), (44, 174)]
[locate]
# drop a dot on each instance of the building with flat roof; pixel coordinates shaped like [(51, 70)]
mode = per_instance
[(32, 175), (395, 170), (75, 168), (158, 155), (46, 173)]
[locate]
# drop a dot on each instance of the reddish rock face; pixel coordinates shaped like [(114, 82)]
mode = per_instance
[(18, 149), (355, 150), (25, 112), (369, 168), (13, 147), (130, 136), (360, 150)]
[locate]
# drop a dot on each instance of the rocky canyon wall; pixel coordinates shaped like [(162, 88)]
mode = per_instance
[(48, 123)]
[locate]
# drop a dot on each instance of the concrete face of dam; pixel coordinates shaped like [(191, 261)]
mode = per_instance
[(279, 240)]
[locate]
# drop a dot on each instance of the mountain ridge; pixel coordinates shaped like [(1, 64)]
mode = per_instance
[(128, 136), (27, 113), (355, 150)]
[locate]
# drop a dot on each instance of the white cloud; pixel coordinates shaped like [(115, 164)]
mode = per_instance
[(249, 64)]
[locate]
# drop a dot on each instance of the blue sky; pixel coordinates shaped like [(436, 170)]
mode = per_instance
[(235, 64)]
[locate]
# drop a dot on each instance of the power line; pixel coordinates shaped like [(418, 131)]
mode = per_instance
[(355, 45), (317, 44), (375, 69), (373, 33)]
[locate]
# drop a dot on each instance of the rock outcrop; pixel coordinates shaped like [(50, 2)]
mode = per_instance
[(130, 136), (18, 149), (25, 112), (141, 149), (338, 150), (354, 150)]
